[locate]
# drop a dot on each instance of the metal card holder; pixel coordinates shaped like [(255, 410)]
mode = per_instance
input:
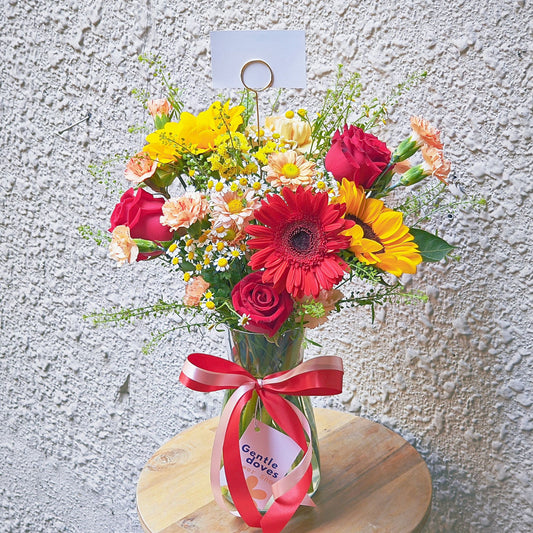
[(257, 91)]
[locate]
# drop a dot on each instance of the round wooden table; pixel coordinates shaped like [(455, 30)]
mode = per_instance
[(372, 480)]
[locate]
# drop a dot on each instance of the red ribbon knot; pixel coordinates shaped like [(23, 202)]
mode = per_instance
[(320, 376)]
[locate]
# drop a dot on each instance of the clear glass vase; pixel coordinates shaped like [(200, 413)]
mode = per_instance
[(261, 355)]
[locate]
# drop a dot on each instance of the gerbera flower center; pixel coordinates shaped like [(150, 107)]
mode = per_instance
[(368, 232), (290, 170), (235, 206), (301, 240)]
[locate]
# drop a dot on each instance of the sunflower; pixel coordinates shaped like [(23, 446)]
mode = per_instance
[(299, 241), (379, 236)]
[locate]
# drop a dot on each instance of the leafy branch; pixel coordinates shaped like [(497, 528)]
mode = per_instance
[(127, 315), (395, 293), (102, 172), (156, 338), (337, 107), (423, 204)]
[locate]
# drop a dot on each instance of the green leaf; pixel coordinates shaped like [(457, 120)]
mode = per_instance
[(186, 266), (432, 248), (146, 246), (195, 230)]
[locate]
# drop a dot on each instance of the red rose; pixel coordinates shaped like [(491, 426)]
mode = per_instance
[(357, 156), (141, 212), (266, 308)]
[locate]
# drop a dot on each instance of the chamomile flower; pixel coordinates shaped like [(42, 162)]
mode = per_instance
[(172, 253), (203, 239), (320, 186), (244, 319), (257, 137), (222, 264)]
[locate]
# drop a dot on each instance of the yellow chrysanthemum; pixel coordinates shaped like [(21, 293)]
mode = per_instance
[(379, 236), (195, 134)]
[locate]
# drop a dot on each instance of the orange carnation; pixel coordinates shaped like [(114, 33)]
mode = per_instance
[(194, 291), (438, 166), (426, 133), (184, 211)]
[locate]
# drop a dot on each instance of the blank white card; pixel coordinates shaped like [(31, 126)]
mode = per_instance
[(283, 51)]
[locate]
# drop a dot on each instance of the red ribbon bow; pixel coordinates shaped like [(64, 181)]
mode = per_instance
[(320, 376)]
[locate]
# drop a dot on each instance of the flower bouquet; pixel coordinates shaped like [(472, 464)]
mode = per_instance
[(270, 225)]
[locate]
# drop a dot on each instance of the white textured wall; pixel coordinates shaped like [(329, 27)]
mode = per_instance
[(453, 375)]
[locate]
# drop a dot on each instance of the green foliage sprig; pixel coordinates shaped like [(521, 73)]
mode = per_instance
[(159, 70), (433, 198), (127, 315), (337, 106), (103, 172), (101, 238)]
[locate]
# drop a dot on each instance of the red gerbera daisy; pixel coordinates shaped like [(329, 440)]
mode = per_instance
[(299, 241)]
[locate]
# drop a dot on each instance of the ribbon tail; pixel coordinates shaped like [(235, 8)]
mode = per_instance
[(290, 491), (237, 486), (217, 452)]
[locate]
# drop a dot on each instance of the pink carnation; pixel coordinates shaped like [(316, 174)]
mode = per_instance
[(159, 107), (184, 211), (437, 164), (328, 299), (140, 167)]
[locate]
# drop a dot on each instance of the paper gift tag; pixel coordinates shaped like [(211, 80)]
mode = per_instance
[(266, 456)]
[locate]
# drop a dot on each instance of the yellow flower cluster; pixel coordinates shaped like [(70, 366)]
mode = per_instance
[(193, 134), (264, 151), (230, 156)]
